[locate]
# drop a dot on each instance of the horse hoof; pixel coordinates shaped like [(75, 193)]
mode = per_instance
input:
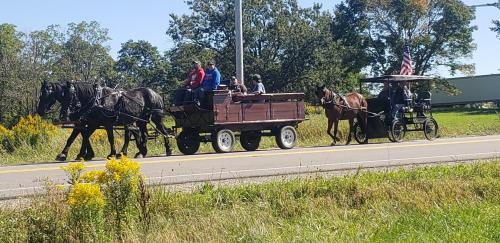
[(111, 156), (333, 144), (138, 156), (61, 157), (169, 152), (119, 156)]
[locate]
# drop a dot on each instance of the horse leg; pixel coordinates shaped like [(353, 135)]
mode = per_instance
[(335, 130), (143, 150), (157, 120), (351, 124), (111, 140), (125, 144), (138, 141), (64, 154), (86, 148), (329, 131)]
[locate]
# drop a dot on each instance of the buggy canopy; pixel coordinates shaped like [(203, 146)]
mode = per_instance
[(397, 78)]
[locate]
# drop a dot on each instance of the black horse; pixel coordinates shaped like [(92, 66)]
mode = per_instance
[(109, 108), (50, 93)]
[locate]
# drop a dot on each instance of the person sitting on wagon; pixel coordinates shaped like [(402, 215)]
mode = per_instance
[(398, 100), (236, 86), (258, 86), (211, 81), (212, 77), (192, 85)]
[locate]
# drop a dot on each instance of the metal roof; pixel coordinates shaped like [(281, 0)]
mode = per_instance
[(396, 78)]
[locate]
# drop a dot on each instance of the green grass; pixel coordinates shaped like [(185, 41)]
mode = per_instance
[(458, 203), (311, 133)]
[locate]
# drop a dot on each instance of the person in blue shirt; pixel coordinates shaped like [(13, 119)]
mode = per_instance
[(210, 83), (212, 77)]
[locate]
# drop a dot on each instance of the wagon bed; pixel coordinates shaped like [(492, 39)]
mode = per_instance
[(225, 115)]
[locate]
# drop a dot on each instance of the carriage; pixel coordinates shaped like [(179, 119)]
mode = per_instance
[(226, 115), (415, 114)]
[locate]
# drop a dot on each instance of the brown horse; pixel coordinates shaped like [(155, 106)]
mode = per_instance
[(353, 106)]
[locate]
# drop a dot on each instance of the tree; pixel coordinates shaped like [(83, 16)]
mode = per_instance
[(288, 45), (140, 64), (10, 48), (84, 55), (439, 34), (496, 23)]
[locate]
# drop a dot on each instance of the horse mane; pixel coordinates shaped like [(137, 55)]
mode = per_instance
[(329, 95)]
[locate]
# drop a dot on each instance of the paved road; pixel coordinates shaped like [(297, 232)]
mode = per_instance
[(28, 179)]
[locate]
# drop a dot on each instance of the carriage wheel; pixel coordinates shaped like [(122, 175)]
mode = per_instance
[(250, 140), (188, 142), (360, 135), (430, 129), (286, 137), (398, 131), (223, 141)]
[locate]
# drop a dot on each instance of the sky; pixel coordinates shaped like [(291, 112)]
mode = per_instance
[(149, 19)]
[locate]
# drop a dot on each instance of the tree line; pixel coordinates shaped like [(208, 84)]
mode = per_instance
[(292, 47)]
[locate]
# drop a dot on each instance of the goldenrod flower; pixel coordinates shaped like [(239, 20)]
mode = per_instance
[(95, 176), (74, 170), (86, 195)]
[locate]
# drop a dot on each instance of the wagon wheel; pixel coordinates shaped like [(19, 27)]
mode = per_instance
[(188, 141), (286, 137), (360, 135), (250, 140), (397, 132), (430, 129), (223, 141)]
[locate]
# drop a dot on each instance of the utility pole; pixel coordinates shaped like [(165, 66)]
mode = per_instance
[(238, 12)]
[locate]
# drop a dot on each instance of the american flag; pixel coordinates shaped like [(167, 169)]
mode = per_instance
[(406, 66)]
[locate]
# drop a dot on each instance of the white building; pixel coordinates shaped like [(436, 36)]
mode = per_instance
[(475, 89)]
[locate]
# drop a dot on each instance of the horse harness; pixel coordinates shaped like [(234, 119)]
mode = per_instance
[(96, 102), (333, 101)]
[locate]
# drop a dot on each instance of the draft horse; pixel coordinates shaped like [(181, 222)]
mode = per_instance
[(50, 93), (337, 108), (113, 108)]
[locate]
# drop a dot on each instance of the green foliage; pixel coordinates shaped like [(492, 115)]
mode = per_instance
[(140, 64), (436, 203), (439, 32), (79, 53), (10, 46), (288, 45), (496, 28)]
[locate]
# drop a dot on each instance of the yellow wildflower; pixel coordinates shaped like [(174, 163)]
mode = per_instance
[(74, 171), (95, 176), (86, 195), (122, 169)]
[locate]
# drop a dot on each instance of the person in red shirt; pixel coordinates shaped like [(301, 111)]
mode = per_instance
[(195, 77), (192, 86)]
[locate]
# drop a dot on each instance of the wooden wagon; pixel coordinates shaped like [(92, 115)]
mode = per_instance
[(226, 115)]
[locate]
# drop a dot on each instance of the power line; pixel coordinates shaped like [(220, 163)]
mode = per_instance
[(497, 4)]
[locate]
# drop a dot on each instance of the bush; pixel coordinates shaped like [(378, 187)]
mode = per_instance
[(6, 136), (30, 130), (99, 193)]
